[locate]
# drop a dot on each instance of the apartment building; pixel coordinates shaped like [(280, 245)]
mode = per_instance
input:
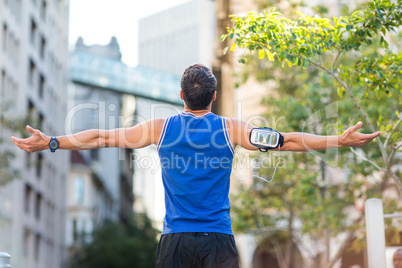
[(33, 80), (173, 39), (99, 187)]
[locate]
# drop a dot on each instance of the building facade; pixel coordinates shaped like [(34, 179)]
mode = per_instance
[(33, 76), (106, 94), (89, 203), (99, 187), (178, 37)]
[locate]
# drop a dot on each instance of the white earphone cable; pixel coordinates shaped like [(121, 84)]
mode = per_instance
[(261, 178)]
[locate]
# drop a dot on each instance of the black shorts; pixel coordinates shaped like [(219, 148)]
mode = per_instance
[(197, 250)]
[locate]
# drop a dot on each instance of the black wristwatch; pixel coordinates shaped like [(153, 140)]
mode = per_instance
[(53, 144)]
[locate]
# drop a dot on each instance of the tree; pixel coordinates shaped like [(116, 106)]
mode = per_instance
[(119, 245), (7, 172), (373, 83), (303, 41)]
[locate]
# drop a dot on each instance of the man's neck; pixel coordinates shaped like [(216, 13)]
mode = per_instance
[(198, 112)]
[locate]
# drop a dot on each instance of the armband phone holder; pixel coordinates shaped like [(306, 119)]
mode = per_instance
[(266, 138)]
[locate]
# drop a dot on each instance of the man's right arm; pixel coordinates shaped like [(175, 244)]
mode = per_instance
[(138, 136)]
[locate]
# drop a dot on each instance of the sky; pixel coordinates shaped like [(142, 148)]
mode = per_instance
[(96, 21)]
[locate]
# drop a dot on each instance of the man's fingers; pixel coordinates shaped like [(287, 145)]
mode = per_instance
[(357, 126), (372, 135), (29, 129), (376, 134), (17, 142), (23, 144), (32, 130)]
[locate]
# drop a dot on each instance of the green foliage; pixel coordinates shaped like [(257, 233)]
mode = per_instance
[(373, 71), (121, 246), (356, 70), (298, 41), (7, 173)]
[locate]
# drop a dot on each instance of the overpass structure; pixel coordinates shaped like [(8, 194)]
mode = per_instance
[(111, 74)]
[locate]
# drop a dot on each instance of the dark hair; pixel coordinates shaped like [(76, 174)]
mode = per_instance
[(198, 86)]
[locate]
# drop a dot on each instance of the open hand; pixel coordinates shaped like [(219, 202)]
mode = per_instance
[(37, 142), (352, 138)]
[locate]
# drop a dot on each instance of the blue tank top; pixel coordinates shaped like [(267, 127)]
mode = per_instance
[(196, 158)]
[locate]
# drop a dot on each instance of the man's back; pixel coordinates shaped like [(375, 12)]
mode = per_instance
[(196, 160)]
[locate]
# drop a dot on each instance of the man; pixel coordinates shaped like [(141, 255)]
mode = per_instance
[(397, 259), (196, 151)]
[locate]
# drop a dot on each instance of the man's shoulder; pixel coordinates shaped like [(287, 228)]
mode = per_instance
[(158, 122), (234, 122)]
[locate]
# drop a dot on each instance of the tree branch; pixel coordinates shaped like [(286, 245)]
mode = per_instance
[(345, 244), (392, 131), (365, 115), (368, 160), (396, 179), (336, 59), (278, 252), (391, 155)]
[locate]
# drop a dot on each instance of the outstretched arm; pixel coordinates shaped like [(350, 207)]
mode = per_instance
[(138, 136), (302, 142)]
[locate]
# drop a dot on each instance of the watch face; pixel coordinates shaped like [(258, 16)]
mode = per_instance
[(53, 145)]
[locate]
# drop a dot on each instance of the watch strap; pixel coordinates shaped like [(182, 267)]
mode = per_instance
[(53, 139)]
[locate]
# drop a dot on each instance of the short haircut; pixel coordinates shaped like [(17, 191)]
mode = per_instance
[(198, 85)]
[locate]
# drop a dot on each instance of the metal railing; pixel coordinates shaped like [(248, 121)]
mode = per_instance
[(5, 260)]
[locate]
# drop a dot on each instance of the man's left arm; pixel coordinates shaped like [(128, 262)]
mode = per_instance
[(304, 142)]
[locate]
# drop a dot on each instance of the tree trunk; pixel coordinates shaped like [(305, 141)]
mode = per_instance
[(223, 64), (346, 242)]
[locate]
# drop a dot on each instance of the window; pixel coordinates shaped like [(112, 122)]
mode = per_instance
[(33, 32), (79, 189), (94, 154), (49, 253), (27, 198), (38, 204), (32, 71), (28, 159), (31, 110), (5, 35), (75, 231), (41, 86), (37, 247), (83, 229), (41, 120), (42, 48), (26, 241), (43, 10), (39, 165), (2, 83)]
